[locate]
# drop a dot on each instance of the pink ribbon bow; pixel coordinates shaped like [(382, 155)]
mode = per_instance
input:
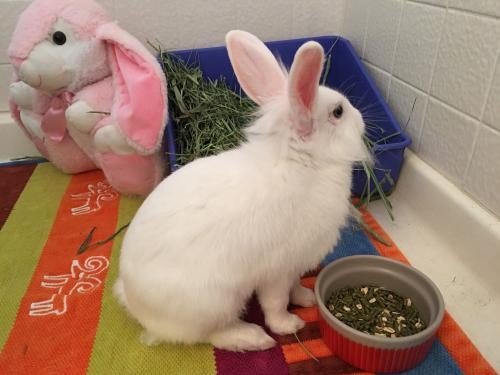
[(54, 120)]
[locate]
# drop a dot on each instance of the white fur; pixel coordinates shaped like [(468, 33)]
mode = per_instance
[(252, 219)]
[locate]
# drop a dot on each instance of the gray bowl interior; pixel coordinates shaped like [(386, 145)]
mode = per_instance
[(360, 270)]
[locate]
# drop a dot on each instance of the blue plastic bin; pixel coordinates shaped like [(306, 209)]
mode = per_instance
[(347, 75)]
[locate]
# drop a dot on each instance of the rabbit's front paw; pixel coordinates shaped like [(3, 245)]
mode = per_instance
[(22, 94), (110, 139), (302, 296), (80, 116), (284, 324)]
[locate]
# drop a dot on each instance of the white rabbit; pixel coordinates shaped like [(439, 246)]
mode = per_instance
[(252, 219)]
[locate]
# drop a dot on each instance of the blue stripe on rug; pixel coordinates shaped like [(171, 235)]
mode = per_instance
[(353, 241), (438, 362)]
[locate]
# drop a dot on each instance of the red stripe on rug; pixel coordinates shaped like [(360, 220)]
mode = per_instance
[(453, 338), (12, 182), (295, 352), (324, 366), (58, 315), (307, 314), (309, 332), (308, 282)]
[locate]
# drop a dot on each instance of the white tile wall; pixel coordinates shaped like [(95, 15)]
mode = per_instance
[(382, 32), (178, 23), (444, 53), (483, 179), (381, 77), (466, 61), (447, 139), (434, 2), (420, 23), (5, 76), (9, 11), (318, 17), (487, 7), (355, 23), (492, 111), (408, 106)]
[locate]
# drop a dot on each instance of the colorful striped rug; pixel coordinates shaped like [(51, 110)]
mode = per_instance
[(58, 315)]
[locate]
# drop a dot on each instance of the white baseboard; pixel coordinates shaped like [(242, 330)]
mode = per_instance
[(13, 142), (456, 242)]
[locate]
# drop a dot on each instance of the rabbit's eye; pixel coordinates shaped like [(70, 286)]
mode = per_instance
[(338, 111), (59, 38)]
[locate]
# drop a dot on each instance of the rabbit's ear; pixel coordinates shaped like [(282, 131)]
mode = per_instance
[(257, 70), (303, 85), (140, 98)]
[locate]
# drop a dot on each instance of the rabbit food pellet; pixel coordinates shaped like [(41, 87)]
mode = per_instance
[(376, 311)]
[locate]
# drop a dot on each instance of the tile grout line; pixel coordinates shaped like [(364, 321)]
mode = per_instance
[(424, 115), (428, 4), (481, 116), (428, 95), (433, 71), (461, 10), (474, 13), (393, 59), (471, 156), (398, 34), (365, 31), (496, 66), (422, 122)]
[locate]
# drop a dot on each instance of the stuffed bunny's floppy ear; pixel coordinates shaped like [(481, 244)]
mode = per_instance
[(139, 104), (303, 85), (257, 70)]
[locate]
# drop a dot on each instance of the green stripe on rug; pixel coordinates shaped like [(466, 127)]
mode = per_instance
[(117, 349), (23, 237)]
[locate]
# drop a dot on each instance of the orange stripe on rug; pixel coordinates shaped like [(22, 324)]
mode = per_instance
[(56, 322), (461, 349), (387, 251), (295, 352), (453, 338), (308, 282), (307, 314)]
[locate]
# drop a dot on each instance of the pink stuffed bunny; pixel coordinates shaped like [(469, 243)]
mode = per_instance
[(88, 94)]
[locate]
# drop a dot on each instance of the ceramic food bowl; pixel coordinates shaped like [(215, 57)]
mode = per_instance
[(378, 353)]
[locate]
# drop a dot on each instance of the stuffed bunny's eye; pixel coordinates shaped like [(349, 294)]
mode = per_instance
[(59, 38)]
